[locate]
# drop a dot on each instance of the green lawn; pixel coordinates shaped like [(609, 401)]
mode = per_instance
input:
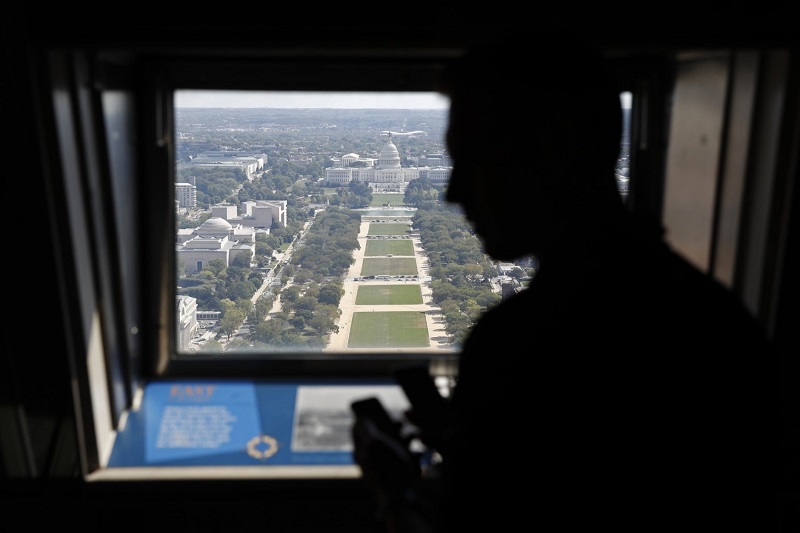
[(399, 329), (392, 266), (378, 200), (388, 228), (389, 295), (381, 247)]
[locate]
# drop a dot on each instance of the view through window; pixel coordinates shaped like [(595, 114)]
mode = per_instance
[(316, 222)]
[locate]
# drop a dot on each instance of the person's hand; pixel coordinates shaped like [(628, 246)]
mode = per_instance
[(387, 465), (432, 428)]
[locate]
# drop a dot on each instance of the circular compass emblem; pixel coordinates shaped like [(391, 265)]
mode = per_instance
[(262, 447)]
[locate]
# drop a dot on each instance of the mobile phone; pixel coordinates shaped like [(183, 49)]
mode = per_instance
[(371, 408)]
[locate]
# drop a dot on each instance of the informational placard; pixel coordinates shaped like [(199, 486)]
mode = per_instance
[(225, 423), (198, 419)]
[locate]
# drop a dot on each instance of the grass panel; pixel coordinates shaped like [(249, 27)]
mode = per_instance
[(388, 228), (389, 295), (380, 247), (391, 266), (399, 329), (378, 200)]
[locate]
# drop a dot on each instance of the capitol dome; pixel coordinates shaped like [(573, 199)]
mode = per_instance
[(389, 157)]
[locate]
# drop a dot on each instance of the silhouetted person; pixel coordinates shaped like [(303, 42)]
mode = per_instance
[(624, 389)]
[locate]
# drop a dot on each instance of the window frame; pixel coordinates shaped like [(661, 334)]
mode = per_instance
[(163, 76), (109, 361)]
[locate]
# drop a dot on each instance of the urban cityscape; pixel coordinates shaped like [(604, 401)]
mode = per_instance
[(325, 230)]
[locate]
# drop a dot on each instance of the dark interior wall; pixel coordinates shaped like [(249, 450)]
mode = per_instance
[(39, 460), (34, 376), (40, 481)]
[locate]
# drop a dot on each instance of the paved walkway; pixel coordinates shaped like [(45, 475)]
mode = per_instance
[(433, 315), (439, 341)]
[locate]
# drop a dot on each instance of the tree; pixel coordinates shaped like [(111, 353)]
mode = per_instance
[(256, 279), (203, 293), (420, 191), (240, 290), (473, 270), (289, 270), (298, 322), (241, 261), (262, 308), (290, 294), (212, 346), (273, 241), (306, 302), (299, 188), (303, 275), (330, 294), (472, 309), (322, 324), (231, 321), (225, 304), (245, 305), (180, 269), (262, 248), (268, 331), (216, 266)]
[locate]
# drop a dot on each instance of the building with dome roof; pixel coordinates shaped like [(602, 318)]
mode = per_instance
[(214, 226), (390, 157), (384, 174), (216, 238)]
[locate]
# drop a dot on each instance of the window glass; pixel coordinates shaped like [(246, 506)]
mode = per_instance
[(315, 221), (624, 163)]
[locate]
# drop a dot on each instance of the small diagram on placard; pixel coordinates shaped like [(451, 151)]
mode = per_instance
[(323, 420)]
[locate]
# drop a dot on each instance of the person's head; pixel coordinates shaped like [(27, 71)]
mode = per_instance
[(534, 135)]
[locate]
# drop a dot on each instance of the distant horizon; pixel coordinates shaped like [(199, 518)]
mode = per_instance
[(214, 99), (193, 99)]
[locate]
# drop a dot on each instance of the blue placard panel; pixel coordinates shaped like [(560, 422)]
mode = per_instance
[(228, 423)]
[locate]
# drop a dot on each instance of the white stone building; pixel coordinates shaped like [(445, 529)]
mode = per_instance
[(261, 214), (186, 195), (384, 174), (186, 311), (215, 238), (249, 162)]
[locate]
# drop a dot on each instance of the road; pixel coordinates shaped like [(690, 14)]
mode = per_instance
[(244, 330)]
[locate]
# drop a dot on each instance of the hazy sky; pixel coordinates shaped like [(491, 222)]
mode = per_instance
[(288, 99), (339, 100)]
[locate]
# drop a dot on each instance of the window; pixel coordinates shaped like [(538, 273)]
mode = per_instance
[(318, 226), (140, 311), (305, 220), (127, 139), (292, 220), (320, 221)]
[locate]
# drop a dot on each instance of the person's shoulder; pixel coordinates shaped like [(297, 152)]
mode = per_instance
[(707, 289), (707, 305), (505, 319), (669, 274)]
